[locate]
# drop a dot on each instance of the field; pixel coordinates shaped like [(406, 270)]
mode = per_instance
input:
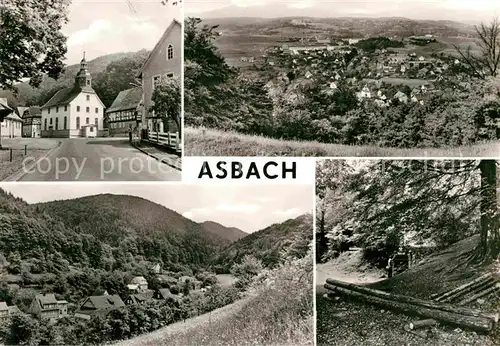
[(207, 142), (233, 47)]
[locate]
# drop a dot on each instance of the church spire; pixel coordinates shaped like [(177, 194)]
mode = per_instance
[(83, 78)]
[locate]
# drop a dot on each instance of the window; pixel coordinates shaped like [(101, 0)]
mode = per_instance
[(170, 52), (92, 129), (57, 109), (169, 75), (65, 108), (45, 124), (156, 81), (88, 81), (96, 110), (48, 110), (87, 109), (96, 122), (78, 123), (50, 121), (57, 123), (87, 120), (65, 123), (88, 97), (77, 108)]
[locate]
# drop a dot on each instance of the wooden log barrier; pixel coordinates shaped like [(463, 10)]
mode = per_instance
[(462, 289), (415, 301), (479, 323)]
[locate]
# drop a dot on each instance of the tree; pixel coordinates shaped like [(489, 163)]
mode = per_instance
[(487, 62), (167, 100), (31, 41), (440, 202)]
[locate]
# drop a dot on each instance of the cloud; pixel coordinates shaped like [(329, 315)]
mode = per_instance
[(288, 212), (248, 3), (238, 208), (196, 212), (302, 4), (95, 31)]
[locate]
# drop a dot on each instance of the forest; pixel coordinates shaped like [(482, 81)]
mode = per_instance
[(379, 205)]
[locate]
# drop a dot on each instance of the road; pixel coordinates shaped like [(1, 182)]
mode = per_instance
[(97, 159)]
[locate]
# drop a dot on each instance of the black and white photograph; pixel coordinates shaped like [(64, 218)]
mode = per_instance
[(90, 90), (129, 264), (407, 252), (342, 78)]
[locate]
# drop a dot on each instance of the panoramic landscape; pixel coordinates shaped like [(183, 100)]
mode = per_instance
[(340, 85), (97, 95), (407, 252), (124, 263)]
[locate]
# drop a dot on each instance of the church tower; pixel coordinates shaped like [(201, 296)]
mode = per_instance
[(83, 79)]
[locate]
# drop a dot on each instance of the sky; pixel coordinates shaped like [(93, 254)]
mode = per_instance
[(247, 207), (459, 10), (102, 27)]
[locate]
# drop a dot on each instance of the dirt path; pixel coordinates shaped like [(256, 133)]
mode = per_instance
[(166, 336), (346, 268)]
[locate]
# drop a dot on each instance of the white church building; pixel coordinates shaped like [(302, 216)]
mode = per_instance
[(75, 111)]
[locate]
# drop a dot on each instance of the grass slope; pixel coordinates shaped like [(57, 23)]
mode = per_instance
[(208, 142)]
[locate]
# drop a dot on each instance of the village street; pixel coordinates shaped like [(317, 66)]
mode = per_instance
[(98, 159)]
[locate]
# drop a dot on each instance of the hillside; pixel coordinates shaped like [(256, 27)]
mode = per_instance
[(270, 245), (110, 217), (230, 233), (100, 68), (341, 27)]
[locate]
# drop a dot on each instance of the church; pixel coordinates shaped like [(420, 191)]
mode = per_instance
[(75, 111)]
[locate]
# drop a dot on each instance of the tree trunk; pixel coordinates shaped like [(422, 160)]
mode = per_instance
[(322, 241), (463, 289), (478, 295), (420, 324), (490, 233), (413, 301), (479, 324)]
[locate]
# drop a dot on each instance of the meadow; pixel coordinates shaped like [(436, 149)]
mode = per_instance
[(209, 142)]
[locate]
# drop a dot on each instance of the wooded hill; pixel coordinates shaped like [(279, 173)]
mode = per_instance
[(270, 245)]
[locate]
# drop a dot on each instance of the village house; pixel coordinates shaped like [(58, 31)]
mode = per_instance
[(156, 268), (47, 306), (75, 111), (12, 124), (98, 306), (164, 61), (401, 97), (139, 298), (365, 93), (125, 112), (6, 312), (32, 121), (138, 284)]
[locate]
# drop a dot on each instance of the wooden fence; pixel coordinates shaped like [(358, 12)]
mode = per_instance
[(168, 139)]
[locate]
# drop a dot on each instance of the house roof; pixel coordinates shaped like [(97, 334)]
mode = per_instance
[(63, 96), (3, 306), (4, 108), (126, 99), (31, 112), (13, 116), (14, 309), (106, 302), (139, 280), (48, 298), (20, 110), (155, 49), (165, 293)]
